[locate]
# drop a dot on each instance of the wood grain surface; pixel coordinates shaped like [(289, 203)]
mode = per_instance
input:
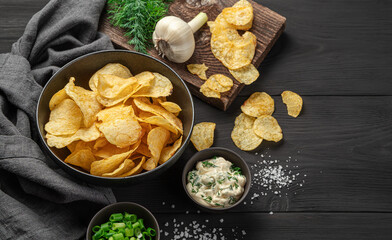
[(267, 27), (337, 54)]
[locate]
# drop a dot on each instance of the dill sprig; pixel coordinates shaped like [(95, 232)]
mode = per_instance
[(138, 18)]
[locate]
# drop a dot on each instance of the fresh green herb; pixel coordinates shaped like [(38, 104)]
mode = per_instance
[(236, 185), (194, 191), (207, 199), (234, 178), (138, 18), (235, 170), (232, 200), (231, 187), (208, 164), (214, 157), (211, 184), (219, 205)]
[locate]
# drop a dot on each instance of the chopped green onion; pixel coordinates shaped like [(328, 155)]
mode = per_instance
[(96, 229), (116, 217), (118, 225), (118, 236), (129, 232), (151, 231), (137, 232), (136, 225), (106, 226), (98, 234)]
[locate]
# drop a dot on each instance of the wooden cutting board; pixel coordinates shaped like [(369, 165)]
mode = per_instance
[(267, 26)]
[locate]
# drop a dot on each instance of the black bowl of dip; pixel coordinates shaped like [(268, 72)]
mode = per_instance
[(212, 153)]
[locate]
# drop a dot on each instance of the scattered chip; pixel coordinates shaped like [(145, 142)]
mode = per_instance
[(243, 135), (156, 140), (259, 103), (208, 92), (203, 135), (219, 83), (57, 98), (293, 102), (81, 158), (246, 75), (268, 128), (115, 69), (240, 15), (198, 69), (86, 100), (64, 119)]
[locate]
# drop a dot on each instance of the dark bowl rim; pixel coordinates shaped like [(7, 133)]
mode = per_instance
[(89, 227), (109, 178), (192, 161)]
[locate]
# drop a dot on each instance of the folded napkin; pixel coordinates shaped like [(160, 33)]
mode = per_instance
[(37, 199)]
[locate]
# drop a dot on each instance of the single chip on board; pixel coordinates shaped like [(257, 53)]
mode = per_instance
[(203, 135), (115, 69), (267, 127), (85, 134), (214, 84), (169, 151), (246, 75), (119, 125), (240, 15), (160, 86), (208, 92), (243, 135), (259, 103), (198, 69), (64, 119), (81, 158), (86, 100), (57, 98), (156, 141), (293, 102)]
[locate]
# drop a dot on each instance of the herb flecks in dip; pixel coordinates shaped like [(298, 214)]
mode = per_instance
[(216, 182)]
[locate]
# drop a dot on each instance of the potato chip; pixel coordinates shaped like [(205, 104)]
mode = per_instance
[(259, 103), (57, 98), (243, 135), (109, 150), (203, 135), (100, 142), (111, 163), (71, 147), (268, 128), (115, 69), (169, 106), (160, 111), (144, 80), (113, 87), (198, 69), (240, 15), (135, 170), (64, 119), (159, 121), (220, 24), (126, 166), (85, 134), (160, 86), (293, 102), (219, 83), (82, 158), (246, 75), (169, 151), (86, 100), (143, 149), (208, 92), (242, 53), (84, 145), (122, 130), (156, 140)]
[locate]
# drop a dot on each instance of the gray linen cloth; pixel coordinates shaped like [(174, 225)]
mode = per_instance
[(37, 199)]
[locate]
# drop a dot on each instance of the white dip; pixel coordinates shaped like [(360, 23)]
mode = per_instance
[(216, 183)]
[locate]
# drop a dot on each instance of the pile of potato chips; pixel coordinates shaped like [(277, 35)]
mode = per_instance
[(256, 124), (123, 126), (228, 46)]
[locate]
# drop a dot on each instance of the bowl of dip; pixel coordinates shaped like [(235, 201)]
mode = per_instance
[(216, 179)]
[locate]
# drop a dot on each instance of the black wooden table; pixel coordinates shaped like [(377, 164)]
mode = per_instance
[(337, 54)]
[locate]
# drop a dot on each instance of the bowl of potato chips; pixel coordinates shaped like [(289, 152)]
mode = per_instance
[(115, 117)]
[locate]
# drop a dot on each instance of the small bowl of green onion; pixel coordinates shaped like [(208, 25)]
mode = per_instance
[(123, 221)]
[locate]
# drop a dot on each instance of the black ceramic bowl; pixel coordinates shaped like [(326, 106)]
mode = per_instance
[(82, 69), (229, 156), (141, 212)]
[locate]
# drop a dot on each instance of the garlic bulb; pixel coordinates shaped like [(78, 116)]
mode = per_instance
[(173, 38)]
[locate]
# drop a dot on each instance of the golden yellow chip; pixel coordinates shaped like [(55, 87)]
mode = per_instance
[(111, 163), (121, 130), (144, 80), (160, 86), (203, 135), (109, 150), (220, 24), (64, 119), (115, 69), (169, 151), (86, 100), (243, 135), (208, 92), (246, 75), (240, 15), (198, 69), (100, 142), (135, 170), (293, 102), (57, 98), (259, 103), (82, 158), (156, 140), (113, 87), (159, 121), (71, 147), (143, 150), (126, 166), (171, 107), (85, 134), (144, 105), (268, 128)]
